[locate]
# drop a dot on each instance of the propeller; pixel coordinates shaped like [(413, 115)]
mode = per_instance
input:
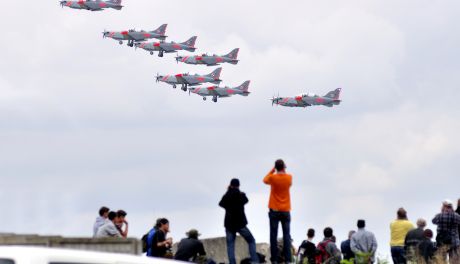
[(104, 34), (178, 58), (275, 99), (63, 3), (158, 77)]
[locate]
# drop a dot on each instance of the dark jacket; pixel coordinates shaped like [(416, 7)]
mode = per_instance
[(307, 250), (346, 250), (233, 202), (188, 249), (458, 212), (414, 237)]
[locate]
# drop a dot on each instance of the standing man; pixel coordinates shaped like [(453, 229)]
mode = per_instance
[(399, 229), (328, 253), (101, 219), (458, 212), (161, 244), (412, 241), (307, 249), (235, 221), (346, 247), (279, 208), (363, 244), (447, 232)]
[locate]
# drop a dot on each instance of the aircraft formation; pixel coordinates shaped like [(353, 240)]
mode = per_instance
[(139, 40)]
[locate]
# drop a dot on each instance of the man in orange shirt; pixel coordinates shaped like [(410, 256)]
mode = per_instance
[(279, 209)]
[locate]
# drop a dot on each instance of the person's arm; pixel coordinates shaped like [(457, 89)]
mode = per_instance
[(223, 202), (374, 244), (244, 198), (113, 231), (201, 250), (353, 245), (125, 232), (436, 219), (268, 176)]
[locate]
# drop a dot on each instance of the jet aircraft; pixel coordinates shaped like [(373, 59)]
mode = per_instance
[(304, 100), (216, 91), (170, 47), (186, 79), (96, 5), (136, 36), (208, 60)]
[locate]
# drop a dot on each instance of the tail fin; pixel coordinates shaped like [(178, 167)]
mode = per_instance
[(244, 87), (117, 2), (233, 54), (161, 30), (190, 42), (334, 94), (216, 73)]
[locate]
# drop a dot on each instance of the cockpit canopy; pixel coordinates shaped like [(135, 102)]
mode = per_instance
[(308, 95)]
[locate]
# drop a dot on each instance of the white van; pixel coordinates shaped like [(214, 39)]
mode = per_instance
[(37, 255)]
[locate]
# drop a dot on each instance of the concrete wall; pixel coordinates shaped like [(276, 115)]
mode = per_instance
[(128, 246), (216, 248)]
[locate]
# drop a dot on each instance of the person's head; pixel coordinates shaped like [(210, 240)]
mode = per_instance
[(104, 212), (401, 214), (121, 215), (328, 232), (428, 233), (113, 216), (280, 165), (421, 223), (361, 223), (351, 233), (193, 233), (163, 224), (447, 205), (234, 183), (311, 233)]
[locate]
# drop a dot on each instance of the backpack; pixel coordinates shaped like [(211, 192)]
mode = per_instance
[(322, 255), (147, 240)]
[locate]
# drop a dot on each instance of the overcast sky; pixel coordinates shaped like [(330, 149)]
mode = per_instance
[(83, 123)]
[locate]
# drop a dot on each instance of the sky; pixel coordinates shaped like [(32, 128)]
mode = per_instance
[(84, 124)]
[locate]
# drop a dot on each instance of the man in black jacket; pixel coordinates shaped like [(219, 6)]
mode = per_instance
[(233, 202)]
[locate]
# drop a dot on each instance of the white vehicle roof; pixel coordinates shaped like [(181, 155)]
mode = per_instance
[(38, 255)]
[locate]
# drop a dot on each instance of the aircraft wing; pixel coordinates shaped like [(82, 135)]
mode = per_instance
[(167, 48), (209, 61), (190, 80), (136, 36)]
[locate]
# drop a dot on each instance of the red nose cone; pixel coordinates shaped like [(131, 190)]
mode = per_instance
[(212, 88), (124, 32), (156, 44), (298, 98), (198, 58), (179, 75)]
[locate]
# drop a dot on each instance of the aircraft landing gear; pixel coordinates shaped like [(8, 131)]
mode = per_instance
[(151, 53), (160, 54), (214, 99), (174, 86), (120, 42), (204, 98), (131, 43)]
